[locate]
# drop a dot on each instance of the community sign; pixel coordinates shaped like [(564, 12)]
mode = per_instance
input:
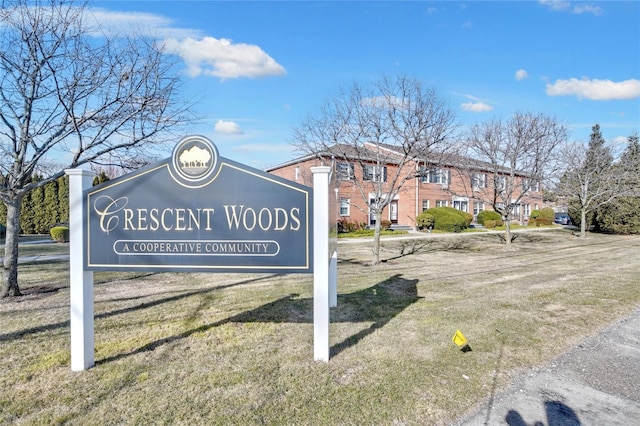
[(197, 211)]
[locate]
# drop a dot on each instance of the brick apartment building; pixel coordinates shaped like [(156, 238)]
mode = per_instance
[(429, 185)]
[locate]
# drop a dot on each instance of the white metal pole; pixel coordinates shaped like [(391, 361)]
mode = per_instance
[(81, 281), (321, 263)]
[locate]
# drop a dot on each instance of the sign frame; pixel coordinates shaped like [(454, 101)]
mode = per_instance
[(81, 294)]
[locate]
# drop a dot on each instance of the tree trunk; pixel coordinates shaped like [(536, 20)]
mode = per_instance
[(507, 232), (376, 238), (583, 223), (10, 264)]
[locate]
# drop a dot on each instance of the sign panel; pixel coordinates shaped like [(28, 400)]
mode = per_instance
[(197, 211)]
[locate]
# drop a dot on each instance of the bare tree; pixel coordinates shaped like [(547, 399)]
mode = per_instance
[(71, 96), (503, 161), (382, 129), (591, 179)]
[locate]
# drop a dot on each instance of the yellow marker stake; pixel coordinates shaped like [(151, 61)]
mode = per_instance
[(459, 338)]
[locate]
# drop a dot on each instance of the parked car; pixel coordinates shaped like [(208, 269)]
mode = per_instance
[(562, 219)]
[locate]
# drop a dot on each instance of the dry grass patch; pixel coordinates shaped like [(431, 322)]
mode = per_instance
[(238, 349)]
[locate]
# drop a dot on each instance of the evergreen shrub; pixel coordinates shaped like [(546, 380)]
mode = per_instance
[(620, 217), (448, 219), (424, 220), (491, 223), (60, 234), (542, 217), (485, 215)]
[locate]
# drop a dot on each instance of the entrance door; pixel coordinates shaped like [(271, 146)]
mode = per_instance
[(372, 214), (393, 212)]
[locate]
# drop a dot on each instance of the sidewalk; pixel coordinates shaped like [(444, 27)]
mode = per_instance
[(40, 258), (43, 258), (595, 383)]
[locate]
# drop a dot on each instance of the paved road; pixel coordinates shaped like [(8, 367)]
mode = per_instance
[(596, 383)]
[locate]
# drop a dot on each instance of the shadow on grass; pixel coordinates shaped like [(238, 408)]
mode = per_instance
[(378, 304), (409, 247), (65, 324)]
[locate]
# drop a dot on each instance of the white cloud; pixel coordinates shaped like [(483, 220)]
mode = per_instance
[(203, 55), (586, 8), (597, 90), (224, 59), (476, 104), (114, 23), (228, 127), (521, 75), (565, 6), (556, 4), (476, 107)]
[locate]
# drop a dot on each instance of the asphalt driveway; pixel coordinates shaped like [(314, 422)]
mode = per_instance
[(595, 383)]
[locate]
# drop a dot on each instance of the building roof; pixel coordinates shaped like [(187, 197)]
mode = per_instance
[(365, 154)]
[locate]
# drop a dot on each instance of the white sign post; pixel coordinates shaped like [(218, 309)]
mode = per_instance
[(323, 275), (81, 281)]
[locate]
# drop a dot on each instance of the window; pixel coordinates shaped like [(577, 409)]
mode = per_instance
[(461, 205), (433, 175), (500, 183), (477, 207), (440, 176), (344, 206), (478, 180), (424, 174), (530, 185), (442, 203), (374, 173), (526, 209), (344, 170), (297, 173), (425, 205)]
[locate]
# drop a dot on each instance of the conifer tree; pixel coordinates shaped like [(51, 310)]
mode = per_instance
[(27, 221), (63, 198), (622, 216), (37, 205), (590, 179), (51, 207)]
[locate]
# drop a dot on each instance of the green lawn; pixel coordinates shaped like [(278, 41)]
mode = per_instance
[(238, 348)]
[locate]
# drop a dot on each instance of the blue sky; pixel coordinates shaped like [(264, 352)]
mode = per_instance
[(256, 69)]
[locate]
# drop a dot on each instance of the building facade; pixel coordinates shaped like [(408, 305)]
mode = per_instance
[(424, 186)]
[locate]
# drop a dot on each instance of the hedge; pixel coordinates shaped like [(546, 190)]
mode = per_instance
[(542, 217), (60, 234), (448, 219), (492, 215)]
